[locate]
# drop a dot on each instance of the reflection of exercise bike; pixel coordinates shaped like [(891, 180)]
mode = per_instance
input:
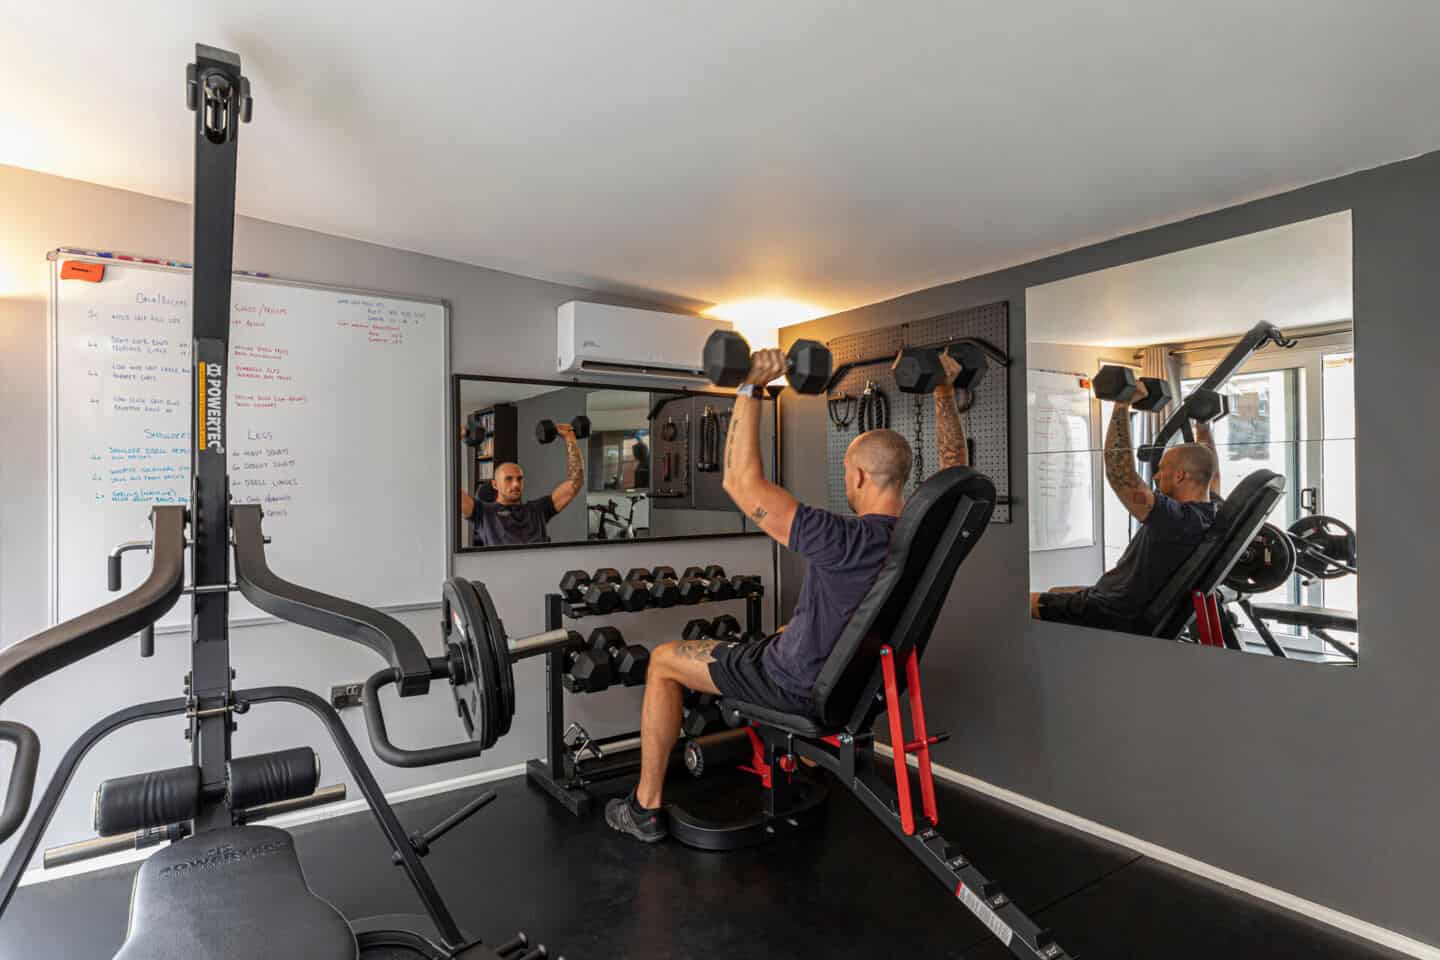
[(609, 516)]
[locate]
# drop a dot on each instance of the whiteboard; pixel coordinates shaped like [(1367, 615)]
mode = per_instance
[(1061, 461), (337, 426)]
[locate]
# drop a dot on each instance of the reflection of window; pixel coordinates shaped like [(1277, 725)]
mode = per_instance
[(1337, 463)]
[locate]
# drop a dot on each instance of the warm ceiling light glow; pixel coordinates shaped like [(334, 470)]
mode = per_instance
[(759, 320)]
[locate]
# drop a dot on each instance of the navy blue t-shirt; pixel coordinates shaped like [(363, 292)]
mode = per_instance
[(498, 524), (1169, 534), (845, 554)]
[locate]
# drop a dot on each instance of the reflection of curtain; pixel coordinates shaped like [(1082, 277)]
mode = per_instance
[(1155, 361)]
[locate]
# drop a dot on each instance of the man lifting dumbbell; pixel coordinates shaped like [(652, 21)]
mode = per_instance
[(511, 519), (845, 555), (1174, 516)]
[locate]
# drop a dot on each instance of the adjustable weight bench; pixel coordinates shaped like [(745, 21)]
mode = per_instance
[(876, 663), (1192, 595)]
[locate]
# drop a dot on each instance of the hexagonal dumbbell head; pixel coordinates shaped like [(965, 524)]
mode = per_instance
[(631, 664), (641, 574), (691, 590), (634, 595), (1207, 406), (917, 370), (1114, 383), (581, 426), (1157, 394), (602, 597), (972, 364), (726, 358), (665, 593), (697, 629), (587, 671), (663, 573), (747, 586), (725, 626), (574, 584), (607, 575), (703, 718), (808, 364)]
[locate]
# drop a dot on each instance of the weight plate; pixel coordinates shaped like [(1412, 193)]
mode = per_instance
[(1266, 564), (500, 651), (464, 671), (479, 689), (1327, 546)]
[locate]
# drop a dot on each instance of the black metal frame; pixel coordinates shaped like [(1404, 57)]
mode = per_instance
[(555, 772), (457, 526), (219, 96)]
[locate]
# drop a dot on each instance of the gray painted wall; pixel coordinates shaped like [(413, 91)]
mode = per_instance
[(495, 315), (1316, 781)]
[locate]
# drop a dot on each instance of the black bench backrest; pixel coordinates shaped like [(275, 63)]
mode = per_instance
[(941, 522), (1237, 521)]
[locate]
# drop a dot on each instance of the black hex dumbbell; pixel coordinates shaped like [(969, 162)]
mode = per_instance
[(748, 585), (545, 431), (703, 716), (1207, 406), (664, 590), (1117, 383), (725, 627), (602, 594), (628, 662), (635, 593), (574, 584), (726, 361), (753, 636), (587, 671), (711, 582), (697, 629)]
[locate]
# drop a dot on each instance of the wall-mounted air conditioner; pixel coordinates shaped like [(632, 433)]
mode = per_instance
[(598, 338)]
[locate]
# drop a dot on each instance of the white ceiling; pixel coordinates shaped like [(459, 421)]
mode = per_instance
[(1292, 276), (831, 152)]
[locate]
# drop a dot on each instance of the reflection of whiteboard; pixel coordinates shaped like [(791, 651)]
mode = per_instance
[(332, 393), (1062, 508)]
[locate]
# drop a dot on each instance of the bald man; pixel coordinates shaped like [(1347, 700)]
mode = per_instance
[(845, 554), (1174, 517), (510, 519)]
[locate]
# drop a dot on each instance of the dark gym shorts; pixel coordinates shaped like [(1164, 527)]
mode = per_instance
[(1077, 608), (739, 672)]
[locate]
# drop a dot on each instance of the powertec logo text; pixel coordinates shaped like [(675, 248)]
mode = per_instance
[(212, 407)]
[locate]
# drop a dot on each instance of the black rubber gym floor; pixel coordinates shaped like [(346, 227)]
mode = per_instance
[(845, 889)]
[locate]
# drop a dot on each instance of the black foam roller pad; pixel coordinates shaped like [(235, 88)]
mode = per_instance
[(147, 800), (268, 777)]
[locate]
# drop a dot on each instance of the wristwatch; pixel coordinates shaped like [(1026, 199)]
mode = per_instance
[(747, 390)]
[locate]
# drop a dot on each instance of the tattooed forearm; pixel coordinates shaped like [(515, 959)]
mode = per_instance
[(742, 442), (1119, 457), (574, 464), (697, 650), (949, 431), (758, 514)]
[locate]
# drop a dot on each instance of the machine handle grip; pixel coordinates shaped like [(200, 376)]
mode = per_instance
[(22, 775), (380, 738), (112, 572)]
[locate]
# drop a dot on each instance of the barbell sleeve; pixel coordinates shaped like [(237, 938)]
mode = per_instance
[(536, 644)]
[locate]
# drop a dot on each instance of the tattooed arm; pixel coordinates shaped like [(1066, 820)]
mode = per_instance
[(1120, 463), (949, 430), (769, 506), (574, 480)]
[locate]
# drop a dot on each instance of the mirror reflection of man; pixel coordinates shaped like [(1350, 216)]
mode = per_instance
[(510, 519)]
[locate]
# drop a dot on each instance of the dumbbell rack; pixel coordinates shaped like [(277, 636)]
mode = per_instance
[(556, 772)]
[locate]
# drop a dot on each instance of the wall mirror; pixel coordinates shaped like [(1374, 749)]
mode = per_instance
[(1254, 334), (648, 463)]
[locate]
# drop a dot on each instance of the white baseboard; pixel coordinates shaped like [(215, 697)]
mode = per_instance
[(1308, 908), (312, 815)]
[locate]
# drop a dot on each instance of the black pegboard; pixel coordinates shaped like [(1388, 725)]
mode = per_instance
[(987, 423)]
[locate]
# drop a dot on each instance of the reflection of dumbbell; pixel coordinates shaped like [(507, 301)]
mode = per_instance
[(1117, 383), (711, 582), (545, 430), (725, 627), (1207, 406), (475, 433), (587, 670), (918, 369), (664, 587), (726, 362), (628, 662)]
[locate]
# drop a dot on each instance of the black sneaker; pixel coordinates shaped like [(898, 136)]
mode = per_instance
[(626, 815)]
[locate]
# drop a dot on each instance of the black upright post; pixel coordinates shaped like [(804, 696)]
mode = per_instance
[(218, 95), (554, 694), (753, 613)]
